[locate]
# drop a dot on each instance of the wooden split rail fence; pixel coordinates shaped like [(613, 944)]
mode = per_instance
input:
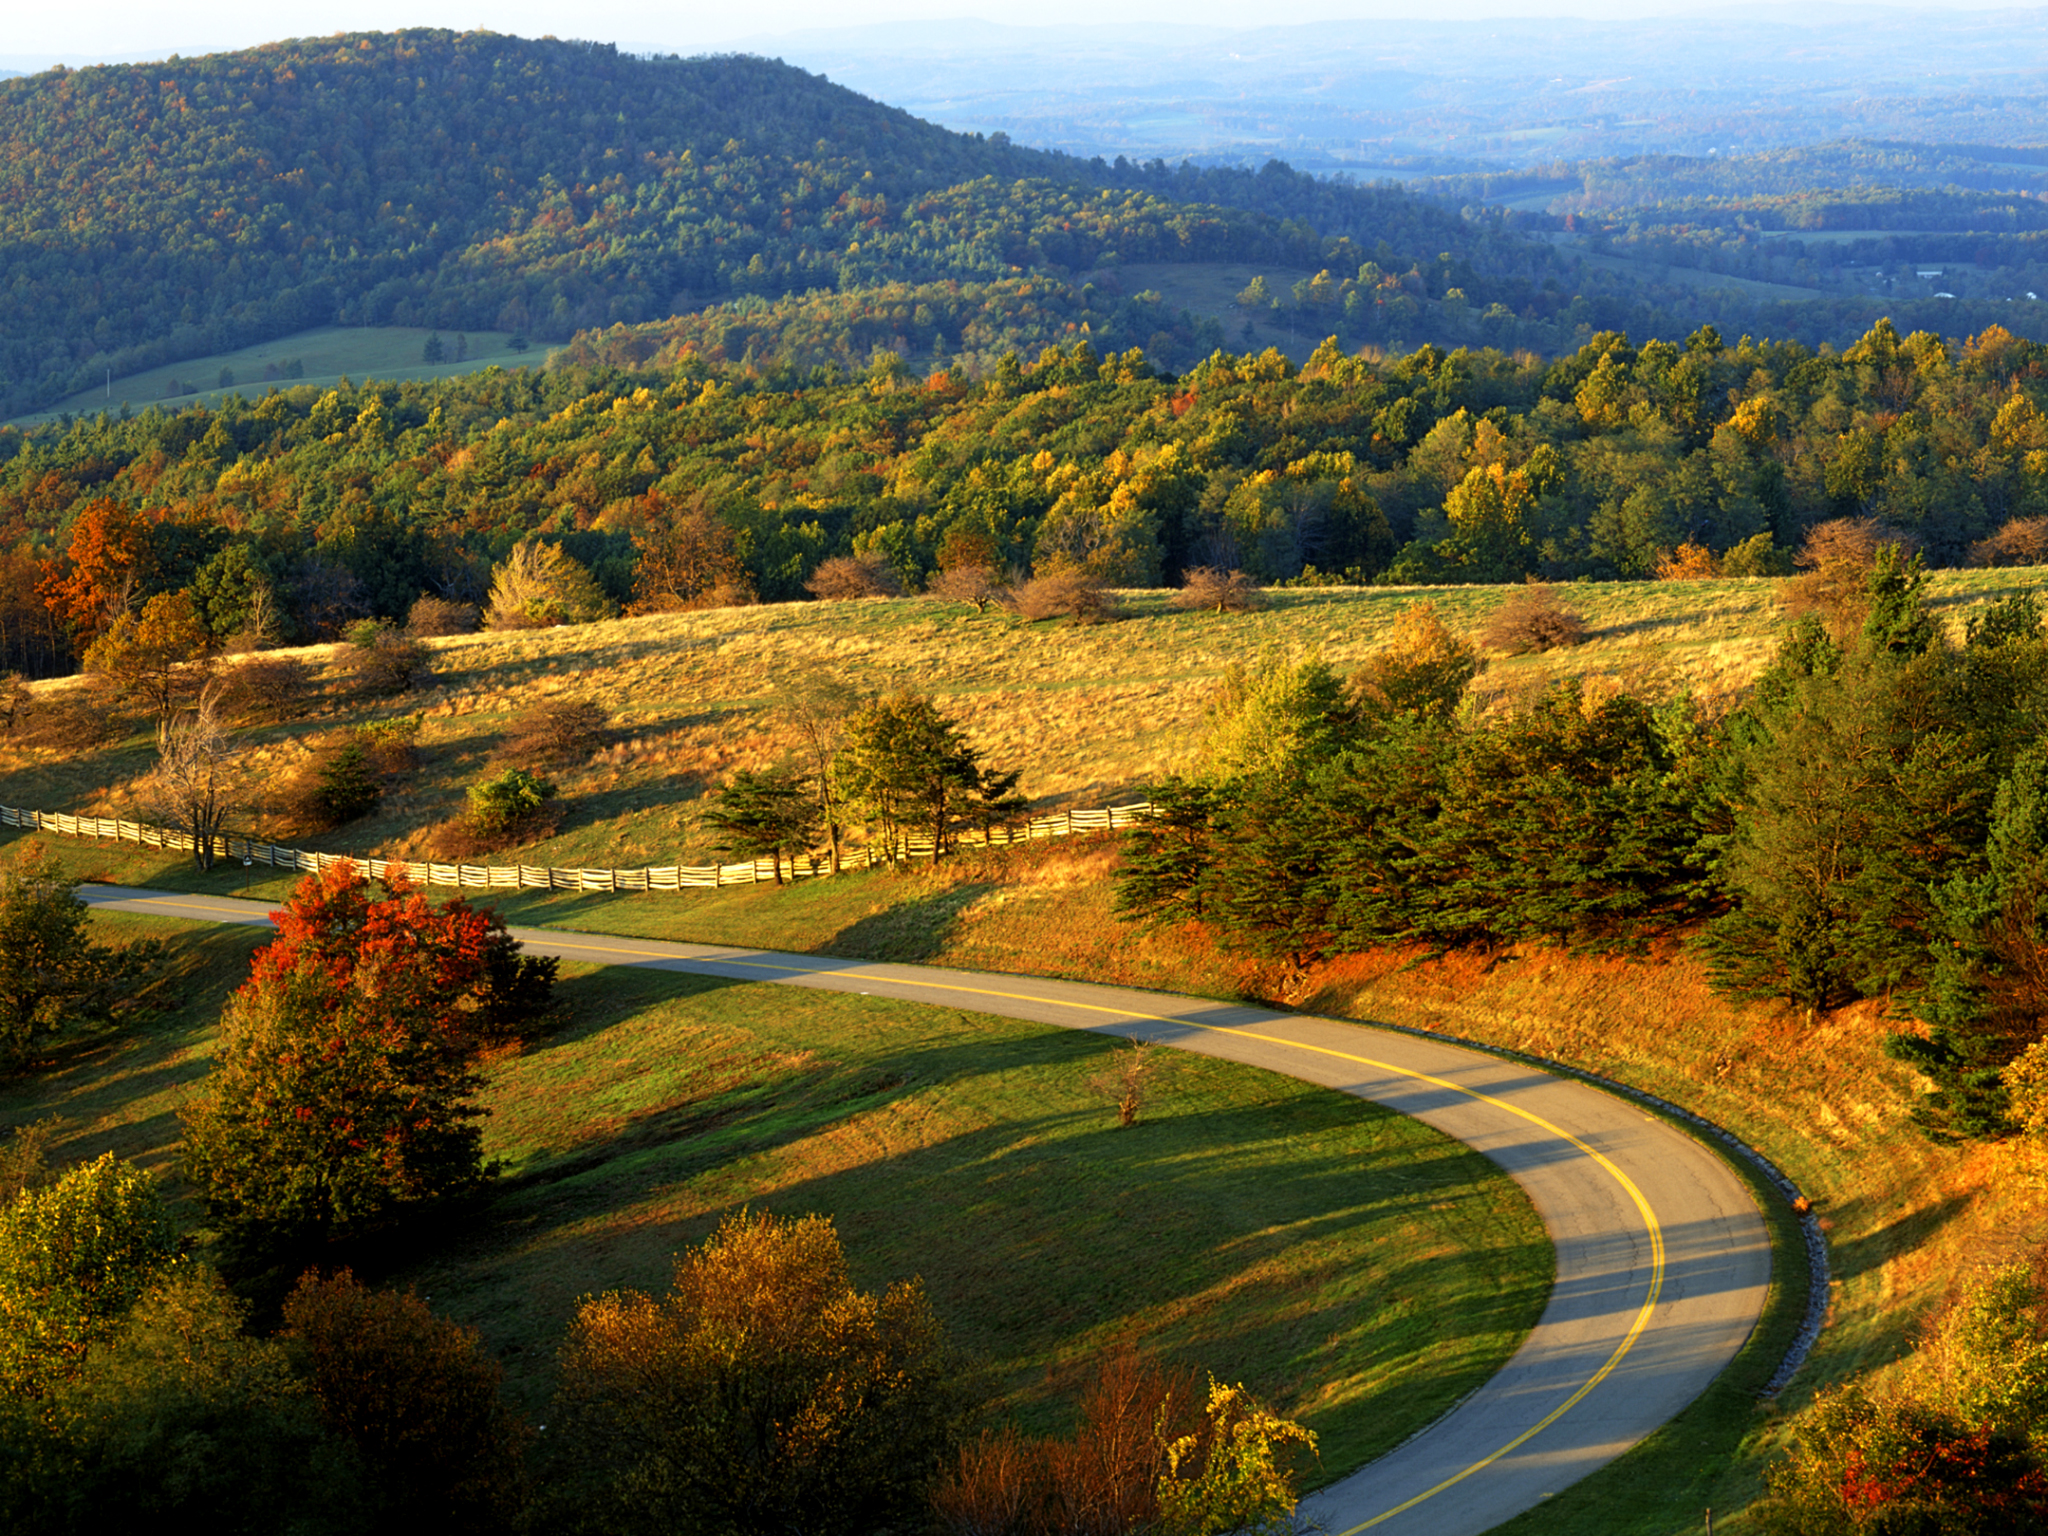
[(672, 877)]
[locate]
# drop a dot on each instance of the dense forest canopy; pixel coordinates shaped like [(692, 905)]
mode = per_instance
[(1468, 465)]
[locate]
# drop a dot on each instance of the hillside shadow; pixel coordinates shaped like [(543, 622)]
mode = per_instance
[(919, 929)]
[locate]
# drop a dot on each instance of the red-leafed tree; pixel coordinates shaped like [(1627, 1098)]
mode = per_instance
[(342, 1096)]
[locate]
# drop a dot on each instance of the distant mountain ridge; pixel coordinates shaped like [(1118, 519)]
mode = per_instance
[(154, 212)]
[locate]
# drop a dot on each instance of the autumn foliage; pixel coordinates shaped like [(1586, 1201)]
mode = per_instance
[(417, 1398), (762, 1393), (342, 1096)]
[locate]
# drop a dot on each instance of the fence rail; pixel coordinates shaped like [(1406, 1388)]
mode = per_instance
[(672, 877)]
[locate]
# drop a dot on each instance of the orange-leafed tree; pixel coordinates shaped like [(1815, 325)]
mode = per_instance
[(102, 573), (762, 1393), (686, 556)]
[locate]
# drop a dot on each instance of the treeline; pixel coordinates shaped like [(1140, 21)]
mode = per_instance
[(151, 213), (936, 325), (1641, 181), (1870, 823), (708, 482)]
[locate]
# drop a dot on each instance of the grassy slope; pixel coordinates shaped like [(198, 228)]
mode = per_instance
[(1275, 1233), (328, 353), (1094, 712)]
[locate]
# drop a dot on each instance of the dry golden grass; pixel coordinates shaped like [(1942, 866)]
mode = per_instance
[(1093, 713)]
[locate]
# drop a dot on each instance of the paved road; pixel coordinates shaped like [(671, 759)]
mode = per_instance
[(1662, 1257)]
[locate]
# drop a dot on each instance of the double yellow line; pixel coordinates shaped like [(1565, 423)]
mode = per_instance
[(1650, 1222)]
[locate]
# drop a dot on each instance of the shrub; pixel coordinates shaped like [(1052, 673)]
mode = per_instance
[(1533, 619), (1950, 1447), (75, 1255), (266, 689), (183, 1423), (513, 806), (434, 616), (386, 661), (975, 584), (417, 1398), (558, 732), (762, 1393), (25, 1157), (1423, 670), (850, 577), (1757, 556), (392, 746), (1837, 558), (2022, 541), (1067, 592), (335, 784), (1688, 562), (1218, 591), (68, 722), (1153, 1453), (15, 701), (513, 798), (1127, 1081)]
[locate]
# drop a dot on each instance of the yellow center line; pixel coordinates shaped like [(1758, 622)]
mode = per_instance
[(1650, 1222)]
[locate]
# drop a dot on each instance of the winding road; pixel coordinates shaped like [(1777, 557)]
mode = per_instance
[(1663, 1261)]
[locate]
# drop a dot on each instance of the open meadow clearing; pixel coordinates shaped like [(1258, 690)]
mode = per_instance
[(1357, 1268), (323, 356), (1092, 714)]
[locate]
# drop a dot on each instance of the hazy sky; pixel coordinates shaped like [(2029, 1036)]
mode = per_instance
[(38, 34)]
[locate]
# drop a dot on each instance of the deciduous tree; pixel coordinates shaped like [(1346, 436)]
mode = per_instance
[(342, 1095), (51, 973), (762, 1393), (75, 1254), (154, 659)]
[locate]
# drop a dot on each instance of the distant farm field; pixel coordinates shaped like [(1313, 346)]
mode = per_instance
[(324, 355), (1358, 1269)]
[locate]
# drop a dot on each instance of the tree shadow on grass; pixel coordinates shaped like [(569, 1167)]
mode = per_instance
[(1908, 1233), (919, 929)]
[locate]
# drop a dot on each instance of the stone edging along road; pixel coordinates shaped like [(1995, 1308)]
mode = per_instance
[(1663, 1261)]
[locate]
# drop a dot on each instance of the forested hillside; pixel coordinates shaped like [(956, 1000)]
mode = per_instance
[(701, 481), (153, 212)]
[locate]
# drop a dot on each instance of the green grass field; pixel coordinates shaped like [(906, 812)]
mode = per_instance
[(1352, 1265), (327, 355)]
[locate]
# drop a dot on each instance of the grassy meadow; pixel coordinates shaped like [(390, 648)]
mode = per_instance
[(326, 355), (1357, 1268), (1093, 713)]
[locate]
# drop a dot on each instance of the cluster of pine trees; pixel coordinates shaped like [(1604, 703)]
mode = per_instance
[(1872, 822)]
